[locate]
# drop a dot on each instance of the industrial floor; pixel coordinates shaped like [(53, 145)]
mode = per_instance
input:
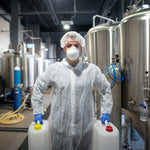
[(18, 140)]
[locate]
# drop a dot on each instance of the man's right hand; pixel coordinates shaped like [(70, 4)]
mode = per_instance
[(38, 117)]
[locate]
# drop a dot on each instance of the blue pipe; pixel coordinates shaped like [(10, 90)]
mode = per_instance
[(17, 90), (121, 78)]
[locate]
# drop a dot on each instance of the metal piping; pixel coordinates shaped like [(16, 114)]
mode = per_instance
[(138, 2), (77, 12), (39, 16), (59, 12), (52, 12), (5, 15), (104, 6), (94, 17), (74, 9), (108, 6)]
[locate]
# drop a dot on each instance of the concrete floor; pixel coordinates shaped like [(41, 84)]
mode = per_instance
[(14, 140)]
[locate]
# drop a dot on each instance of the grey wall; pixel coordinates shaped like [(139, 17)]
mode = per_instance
[(4, 35)]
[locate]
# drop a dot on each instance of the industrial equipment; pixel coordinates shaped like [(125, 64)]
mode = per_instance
[(30, 67), (28, 71), (17, 89), (101, 50), (134, 36), (10, 59), (39, 67), (1, 80)]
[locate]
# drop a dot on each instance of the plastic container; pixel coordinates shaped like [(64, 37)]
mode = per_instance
[(39, 136), (144, 114), (105, 137)]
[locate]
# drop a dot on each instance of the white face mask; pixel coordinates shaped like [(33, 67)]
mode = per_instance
[(72, 53)]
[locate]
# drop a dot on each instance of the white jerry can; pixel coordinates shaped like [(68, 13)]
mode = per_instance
[(39, 136), (105, 137)]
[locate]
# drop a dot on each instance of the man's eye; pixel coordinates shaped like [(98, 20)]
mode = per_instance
[(68, 46), (77, 46)]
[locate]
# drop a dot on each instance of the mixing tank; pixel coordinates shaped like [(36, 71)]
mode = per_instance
[(134, 33), (28, 70), (10, 59), (103, 49), (100, 50)]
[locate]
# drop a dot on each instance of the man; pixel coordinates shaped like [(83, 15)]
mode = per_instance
[(72, 82)]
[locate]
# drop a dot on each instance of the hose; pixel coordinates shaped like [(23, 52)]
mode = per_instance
[(13, 129), (13, 117), (121, 78)]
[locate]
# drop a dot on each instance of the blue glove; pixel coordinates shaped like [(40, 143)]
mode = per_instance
[(104, 118), (38, 117)]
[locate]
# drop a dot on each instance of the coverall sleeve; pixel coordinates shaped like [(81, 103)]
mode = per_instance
[(40, 86), (103, 87)]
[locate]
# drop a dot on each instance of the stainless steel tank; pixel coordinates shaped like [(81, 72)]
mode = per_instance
[(9, 61), (46, 62), (0, 65), (52, 51), (28, 70), (134, 33), (104, 45), (38, 67), (101, 49), (44, 54), (1, 81)]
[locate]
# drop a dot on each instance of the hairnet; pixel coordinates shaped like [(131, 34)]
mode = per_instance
[(72, 36)]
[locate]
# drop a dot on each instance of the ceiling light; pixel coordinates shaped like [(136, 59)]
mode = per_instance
[(46, 49), (42, 47), (35, 38), (66, 26), (69, 22)]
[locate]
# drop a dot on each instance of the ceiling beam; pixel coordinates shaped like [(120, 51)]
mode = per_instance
[(78, 28), (77, 12), (5, 15), (59, 12), (52, 12), (34, 13)]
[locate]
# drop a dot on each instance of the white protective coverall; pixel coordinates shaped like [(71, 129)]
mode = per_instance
[(72, 110)]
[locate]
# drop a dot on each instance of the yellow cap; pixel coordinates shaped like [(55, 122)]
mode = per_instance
[(37, 127)]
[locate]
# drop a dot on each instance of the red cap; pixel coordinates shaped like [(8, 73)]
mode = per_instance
[(109, 129)]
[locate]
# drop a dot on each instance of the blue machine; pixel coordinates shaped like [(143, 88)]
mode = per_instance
[(17, 90)]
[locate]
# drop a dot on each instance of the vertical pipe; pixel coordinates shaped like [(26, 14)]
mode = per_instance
[(98, 105), (17, 90), (15, 24), (147, 137), (148, 146), (94, 38), (111, 45), (147, 45)]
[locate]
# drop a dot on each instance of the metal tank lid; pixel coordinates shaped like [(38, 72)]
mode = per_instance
[(102, 26), (11, 52), (138, 12)]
